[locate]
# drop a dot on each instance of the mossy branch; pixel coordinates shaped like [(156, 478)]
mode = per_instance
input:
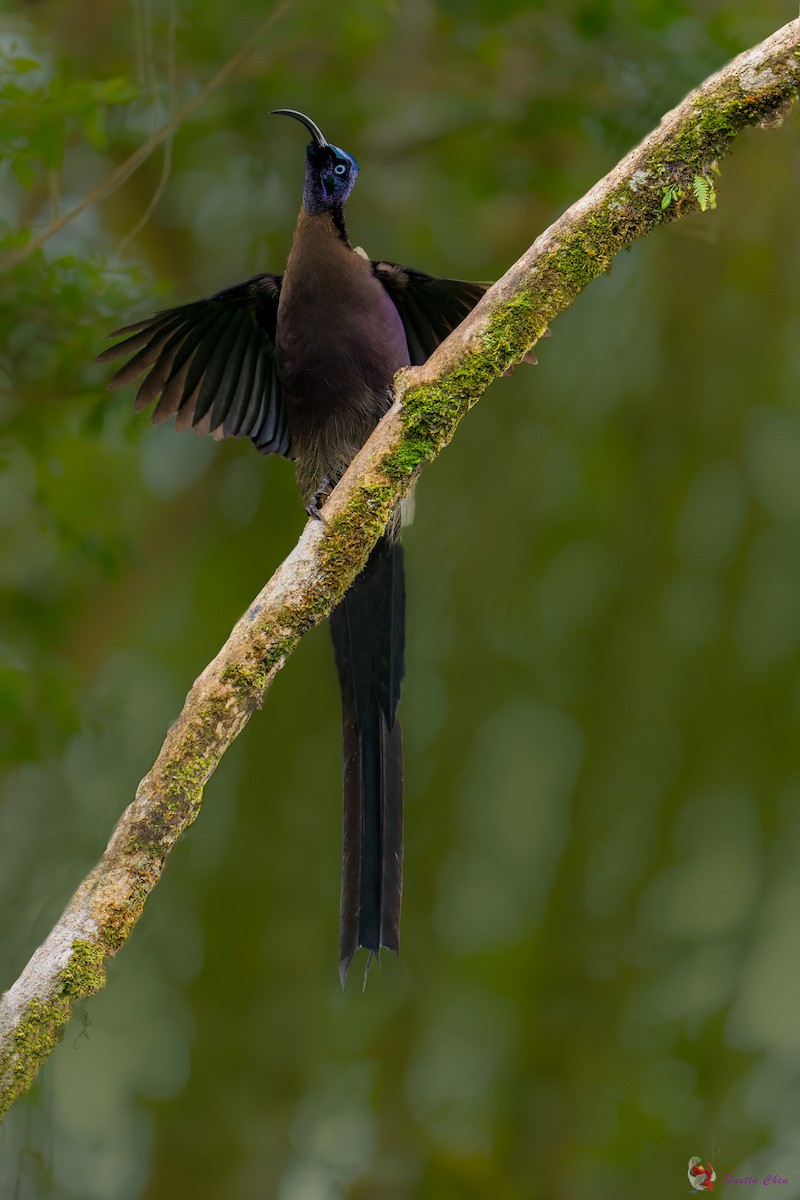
[(656, 182)]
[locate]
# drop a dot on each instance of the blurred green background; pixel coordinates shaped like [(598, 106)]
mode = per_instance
[(600, 943)]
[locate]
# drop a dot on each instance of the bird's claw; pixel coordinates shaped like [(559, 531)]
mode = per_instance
[(314, 507), (528, 357)]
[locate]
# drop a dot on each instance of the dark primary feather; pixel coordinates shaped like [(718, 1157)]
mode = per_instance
[(430, 308), (212, 363)]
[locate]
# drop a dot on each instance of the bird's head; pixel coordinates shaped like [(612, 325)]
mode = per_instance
[(330, 172)]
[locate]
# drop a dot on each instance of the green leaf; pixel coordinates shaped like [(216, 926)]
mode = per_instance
[(118, 90), (23, 65), (49, 143), (700, 189), (24, 171), (705, 194)]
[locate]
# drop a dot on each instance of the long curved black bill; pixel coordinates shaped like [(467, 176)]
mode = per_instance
[(313, 129)]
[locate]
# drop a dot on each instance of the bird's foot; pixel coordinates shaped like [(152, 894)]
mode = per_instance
[(314, 507), (528, 357)]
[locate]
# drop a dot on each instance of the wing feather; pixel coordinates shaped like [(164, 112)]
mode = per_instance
[(430, 308), (211, 363)]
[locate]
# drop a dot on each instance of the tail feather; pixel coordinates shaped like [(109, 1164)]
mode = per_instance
[(368, 637)]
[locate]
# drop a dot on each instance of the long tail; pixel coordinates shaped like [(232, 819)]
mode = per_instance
[(368, 631)]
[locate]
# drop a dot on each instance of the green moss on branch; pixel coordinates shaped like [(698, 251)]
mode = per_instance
[(41, 1028)]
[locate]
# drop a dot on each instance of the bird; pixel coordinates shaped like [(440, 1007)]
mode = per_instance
[(302, 364)]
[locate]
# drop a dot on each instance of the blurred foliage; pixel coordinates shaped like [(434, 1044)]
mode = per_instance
[(600, 974)]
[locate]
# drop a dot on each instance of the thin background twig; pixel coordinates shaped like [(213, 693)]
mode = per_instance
[(135, 160)]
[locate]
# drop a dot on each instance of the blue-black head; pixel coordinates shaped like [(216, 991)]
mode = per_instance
[(330, 172)]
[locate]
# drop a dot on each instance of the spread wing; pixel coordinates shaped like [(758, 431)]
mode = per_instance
[(429, 308), (212, 363)]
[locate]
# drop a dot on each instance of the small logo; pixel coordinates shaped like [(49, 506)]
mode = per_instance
[(701, 1176)]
